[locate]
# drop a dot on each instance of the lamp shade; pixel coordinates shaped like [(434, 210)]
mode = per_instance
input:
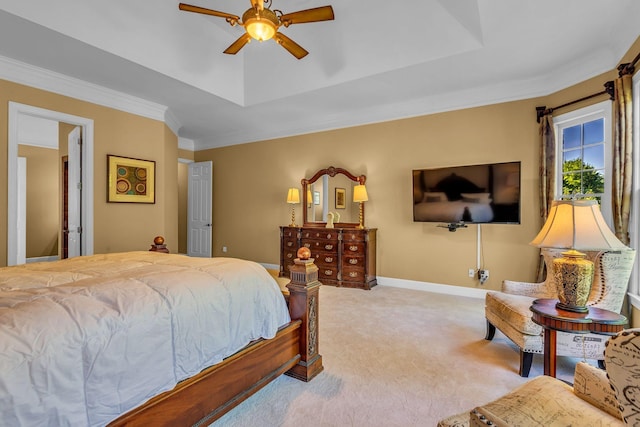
[(360, 193), (576, 224), (293, 196)]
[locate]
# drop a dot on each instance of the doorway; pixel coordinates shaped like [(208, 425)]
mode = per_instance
[(15, 237)]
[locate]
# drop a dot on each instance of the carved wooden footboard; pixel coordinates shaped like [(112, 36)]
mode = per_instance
[(204, 398)]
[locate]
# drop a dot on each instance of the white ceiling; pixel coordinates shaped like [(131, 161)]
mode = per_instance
[(376, 61)]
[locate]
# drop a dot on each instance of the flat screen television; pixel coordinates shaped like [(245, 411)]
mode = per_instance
[(483, 194)]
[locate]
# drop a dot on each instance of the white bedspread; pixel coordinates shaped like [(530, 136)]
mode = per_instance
[(84, 340), (452, 211)]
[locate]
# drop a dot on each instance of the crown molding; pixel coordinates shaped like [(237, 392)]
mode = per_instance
[(40, 78), (186, 144), (172, 121)]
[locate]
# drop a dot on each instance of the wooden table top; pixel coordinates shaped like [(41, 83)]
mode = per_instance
[(596, 320)]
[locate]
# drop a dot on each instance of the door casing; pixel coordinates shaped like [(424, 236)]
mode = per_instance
[(15, 110)]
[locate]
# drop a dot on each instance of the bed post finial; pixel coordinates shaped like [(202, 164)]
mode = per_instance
[(303, 304), (159, 245)]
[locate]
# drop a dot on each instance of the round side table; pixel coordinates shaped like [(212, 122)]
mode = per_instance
[(553, 319)]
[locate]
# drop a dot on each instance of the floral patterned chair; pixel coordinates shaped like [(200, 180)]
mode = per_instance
[(509, 311), (597, 398)]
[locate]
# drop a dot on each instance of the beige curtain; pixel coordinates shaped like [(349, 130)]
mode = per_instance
[(547, 175), (622, 157)]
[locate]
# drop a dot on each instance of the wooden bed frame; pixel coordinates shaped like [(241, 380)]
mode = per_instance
[(205, 397)]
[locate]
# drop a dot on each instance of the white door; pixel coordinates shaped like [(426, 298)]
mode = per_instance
[(199, 209), (21, 243), (74, 225)]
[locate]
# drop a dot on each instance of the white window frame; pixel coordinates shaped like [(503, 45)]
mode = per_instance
[(634, 221), (582, 115)]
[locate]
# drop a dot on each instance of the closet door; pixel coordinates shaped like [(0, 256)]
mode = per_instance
[(199, 209)]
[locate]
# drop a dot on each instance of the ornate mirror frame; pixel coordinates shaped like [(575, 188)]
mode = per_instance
[(332, 172)]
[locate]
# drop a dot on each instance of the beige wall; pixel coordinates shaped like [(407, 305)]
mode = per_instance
[(117, 226), (249, 199), (43, 201)]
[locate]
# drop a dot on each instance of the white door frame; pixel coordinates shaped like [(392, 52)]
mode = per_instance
[(15, 110)]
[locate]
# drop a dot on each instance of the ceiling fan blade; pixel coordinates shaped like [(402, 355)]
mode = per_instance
[(238, 44), (324, 13), (294, 48), (198, 9)]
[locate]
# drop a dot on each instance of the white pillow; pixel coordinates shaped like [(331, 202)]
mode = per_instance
[(484, 198), (434, 197)]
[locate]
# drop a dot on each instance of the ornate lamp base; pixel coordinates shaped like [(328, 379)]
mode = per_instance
[(573, 276)]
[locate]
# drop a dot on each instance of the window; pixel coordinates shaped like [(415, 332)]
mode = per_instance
[(583, 161)]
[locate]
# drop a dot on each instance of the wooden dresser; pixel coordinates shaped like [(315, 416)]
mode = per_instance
[(344, 256)]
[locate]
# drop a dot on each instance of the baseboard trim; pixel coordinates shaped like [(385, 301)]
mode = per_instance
[(432, 287), (42, 259), (417, 286)]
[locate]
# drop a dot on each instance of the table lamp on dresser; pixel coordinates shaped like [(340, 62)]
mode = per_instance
[(293, 198)]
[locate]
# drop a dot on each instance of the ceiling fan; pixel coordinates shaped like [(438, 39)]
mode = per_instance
[(262, 23)]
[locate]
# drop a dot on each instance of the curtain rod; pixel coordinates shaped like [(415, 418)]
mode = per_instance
[(628, 68), (608, 89), (623, 69)]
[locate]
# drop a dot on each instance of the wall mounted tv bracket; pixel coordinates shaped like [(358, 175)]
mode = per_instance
[(453, 226)]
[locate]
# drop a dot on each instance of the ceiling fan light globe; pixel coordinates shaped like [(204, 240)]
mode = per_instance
[(260, 24)]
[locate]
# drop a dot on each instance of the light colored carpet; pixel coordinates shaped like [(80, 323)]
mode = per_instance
[(393, 357)]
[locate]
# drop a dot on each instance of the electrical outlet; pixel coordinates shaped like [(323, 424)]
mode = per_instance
[(472, 272), (483, 275), (224, 249)]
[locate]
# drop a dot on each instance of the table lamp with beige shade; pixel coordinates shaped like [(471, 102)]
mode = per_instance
[(575, 225), (293, 198), (360, 196)]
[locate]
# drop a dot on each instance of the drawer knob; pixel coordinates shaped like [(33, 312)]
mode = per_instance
[(289, 256), (353, 261), (353, 248), (289, 244), (328, 272), (328, 247), (307, 245), (353, 274), (328, 259)]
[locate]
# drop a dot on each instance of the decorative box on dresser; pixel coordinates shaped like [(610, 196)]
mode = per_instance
[(345, 256)]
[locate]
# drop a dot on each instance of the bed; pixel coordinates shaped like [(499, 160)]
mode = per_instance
[(146, 338), (454, 199)]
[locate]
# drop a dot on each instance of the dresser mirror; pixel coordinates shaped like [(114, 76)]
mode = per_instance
[(329, 192)]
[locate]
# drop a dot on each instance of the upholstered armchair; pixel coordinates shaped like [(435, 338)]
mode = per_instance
[(597, 398), (509, 311)]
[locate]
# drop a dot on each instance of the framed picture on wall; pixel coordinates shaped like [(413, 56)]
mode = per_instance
[(130, 180), (341, 196)]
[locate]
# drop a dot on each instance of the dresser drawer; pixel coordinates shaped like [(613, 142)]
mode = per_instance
[(353, 236), (350, 260), (289, 255), (353, 274), (318, 246), (324, 259), (290, 233), (354, 248), (320, 234), (327, 272), (289, 244)]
